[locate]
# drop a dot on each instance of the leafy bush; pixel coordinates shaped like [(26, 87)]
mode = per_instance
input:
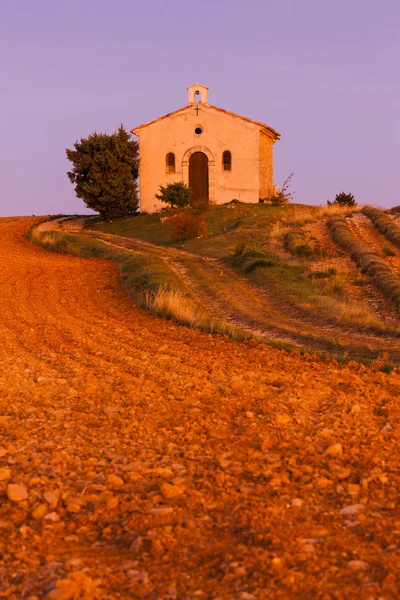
[(105, 169), (177, 194), (384, 223), (186, 225), (343, 199)]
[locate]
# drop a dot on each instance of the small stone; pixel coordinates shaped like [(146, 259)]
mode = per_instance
[(352, 509), (5, 473), (353, 489), (17, 492), (171, 491), (51, 499), (334, 450), (323, 482), (112, 503), (282, 419), (358, 565), (161, 510), (39, 511), (52, 517), (115, 482), (297, 502), (247, 596)]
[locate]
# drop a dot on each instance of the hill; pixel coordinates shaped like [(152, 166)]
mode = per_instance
[(278, 274), (142, 459)]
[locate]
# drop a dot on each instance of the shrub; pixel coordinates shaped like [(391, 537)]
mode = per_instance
[(296, 243), (261, 263), (387, 250), (177, 194), (343, 199), (105, 169), (323, 274), (186, 225), (384, 223), (366, 258)]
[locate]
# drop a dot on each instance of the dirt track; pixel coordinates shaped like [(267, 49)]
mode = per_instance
[(139, 459)]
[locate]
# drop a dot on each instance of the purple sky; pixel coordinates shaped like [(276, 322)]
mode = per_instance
[(324, 73)]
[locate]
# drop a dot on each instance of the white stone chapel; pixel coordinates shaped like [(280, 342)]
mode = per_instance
[(221, 155)]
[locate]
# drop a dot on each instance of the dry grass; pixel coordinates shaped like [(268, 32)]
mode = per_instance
[(351, 313), (172, 304), (302, 216)]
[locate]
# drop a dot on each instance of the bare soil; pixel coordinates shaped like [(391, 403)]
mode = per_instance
[(140, 459)]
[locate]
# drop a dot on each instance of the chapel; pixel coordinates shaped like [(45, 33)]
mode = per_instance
[(222, 156)]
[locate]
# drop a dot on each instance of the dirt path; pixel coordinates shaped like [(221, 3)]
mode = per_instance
[(139, 459), (259, 311)]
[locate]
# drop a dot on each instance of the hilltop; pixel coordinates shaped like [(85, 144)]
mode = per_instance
[(281, 275)]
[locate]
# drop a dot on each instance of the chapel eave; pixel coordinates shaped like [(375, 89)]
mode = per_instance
[(263, 127)]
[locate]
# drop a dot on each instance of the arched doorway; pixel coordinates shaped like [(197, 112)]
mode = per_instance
[(198, 177)]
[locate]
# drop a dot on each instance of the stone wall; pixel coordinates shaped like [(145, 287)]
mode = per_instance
[(266, 166)]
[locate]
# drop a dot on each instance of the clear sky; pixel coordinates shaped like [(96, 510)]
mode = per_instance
[(324, 73)]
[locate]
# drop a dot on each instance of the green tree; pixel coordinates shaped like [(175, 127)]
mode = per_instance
[(105, 170), (343, 199), (177, 194)]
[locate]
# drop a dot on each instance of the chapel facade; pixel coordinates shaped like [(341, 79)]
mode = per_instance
[(221, 155)]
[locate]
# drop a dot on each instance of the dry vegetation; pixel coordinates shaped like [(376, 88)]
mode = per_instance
[(272, 273), (140, 459)]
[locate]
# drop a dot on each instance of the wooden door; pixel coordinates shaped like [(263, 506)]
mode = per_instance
[(198, 177)]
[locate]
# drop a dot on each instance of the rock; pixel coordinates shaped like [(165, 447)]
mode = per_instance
[(352, 509), (358, 565), (161, 510), (247, 596), (323, 482), (51, 499), (52, 517), (171, 491), (115, 482), (334, 450), (17, 492), (297, 502), (282, 419), (5, 474), (39, 511)]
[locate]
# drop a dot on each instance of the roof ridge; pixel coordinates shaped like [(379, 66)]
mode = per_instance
[(264, 126)]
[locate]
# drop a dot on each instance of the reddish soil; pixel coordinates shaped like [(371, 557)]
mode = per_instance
[(140, 459)]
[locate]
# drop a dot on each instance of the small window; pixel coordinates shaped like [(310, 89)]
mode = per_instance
[(198, 130), (227, 161), (170, 162)]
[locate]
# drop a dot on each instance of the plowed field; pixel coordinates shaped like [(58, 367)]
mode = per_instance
[(140, 459)]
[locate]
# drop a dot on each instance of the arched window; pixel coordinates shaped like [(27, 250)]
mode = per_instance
[(170, 162), (227, 161)]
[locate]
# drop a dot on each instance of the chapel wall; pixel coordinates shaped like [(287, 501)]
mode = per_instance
[(220, 132)]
